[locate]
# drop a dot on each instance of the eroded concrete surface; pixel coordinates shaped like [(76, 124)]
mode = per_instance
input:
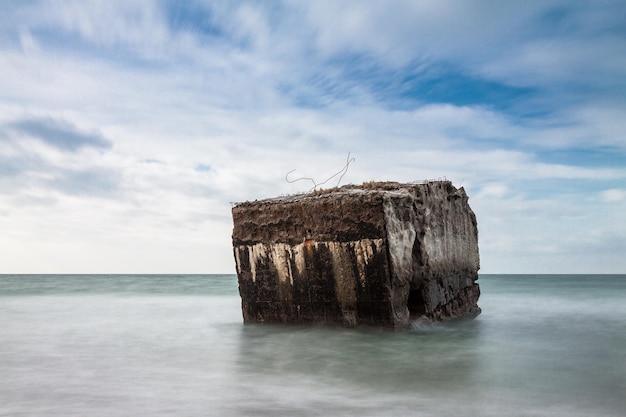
[(382, 254)]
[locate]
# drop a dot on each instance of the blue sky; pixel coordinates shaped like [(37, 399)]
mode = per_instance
[(127, 128)]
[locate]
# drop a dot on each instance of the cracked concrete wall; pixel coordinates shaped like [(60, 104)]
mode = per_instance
[(381, 254), (445, 258)]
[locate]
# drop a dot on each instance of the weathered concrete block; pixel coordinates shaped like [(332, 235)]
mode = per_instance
[(382, 254)]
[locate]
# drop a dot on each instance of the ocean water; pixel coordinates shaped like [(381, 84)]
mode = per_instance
[(157, 345)]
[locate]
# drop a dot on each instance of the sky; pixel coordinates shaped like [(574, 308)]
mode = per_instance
[(127, 128)]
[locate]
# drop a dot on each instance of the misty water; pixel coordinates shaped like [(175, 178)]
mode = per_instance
[(156, 345)]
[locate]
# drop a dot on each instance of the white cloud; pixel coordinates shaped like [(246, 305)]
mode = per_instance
[(140, 26), (401, 32), (493, 190), (217, 93), (613, 195)]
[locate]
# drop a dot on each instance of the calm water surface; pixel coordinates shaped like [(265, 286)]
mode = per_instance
[(157, 345)]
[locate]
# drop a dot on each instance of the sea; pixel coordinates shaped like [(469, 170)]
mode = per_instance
[(175, 345)]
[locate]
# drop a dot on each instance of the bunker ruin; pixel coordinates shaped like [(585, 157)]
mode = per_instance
[(382, 254)]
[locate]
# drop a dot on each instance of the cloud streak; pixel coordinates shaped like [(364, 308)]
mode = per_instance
[(59, 133)]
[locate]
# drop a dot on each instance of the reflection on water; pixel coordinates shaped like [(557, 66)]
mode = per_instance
[(378, 359), (331, 369)]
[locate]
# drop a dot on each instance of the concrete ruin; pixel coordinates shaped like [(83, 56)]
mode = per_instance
[(383, 254)]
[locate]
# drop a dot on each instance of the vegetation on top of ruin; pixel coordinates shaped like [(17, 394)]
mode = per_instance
[(371, 186)]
